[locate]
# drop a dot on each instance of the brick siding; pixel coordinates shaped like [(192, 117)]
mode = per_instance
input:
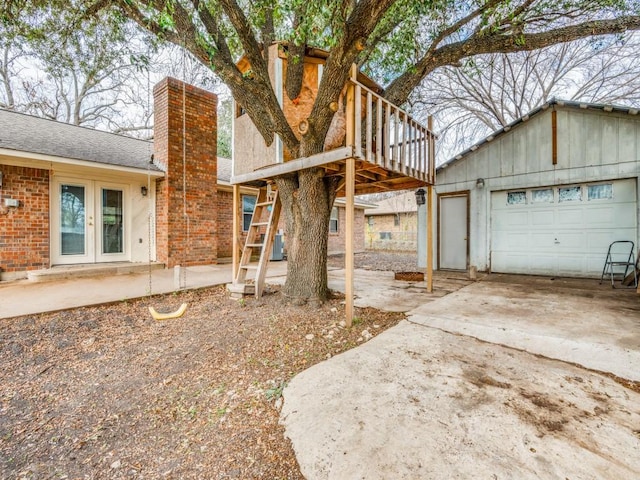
[(191, 240), (24, 230), (225, 225), (337, 240), (384, 234)]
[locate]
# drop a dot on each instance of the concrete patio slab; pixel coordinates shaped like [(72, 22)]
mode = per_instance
[(427, 400), (26, 297), (574, 320)]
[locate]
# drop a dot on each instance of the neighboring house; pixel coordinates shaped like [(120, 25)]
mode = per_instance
[(337, 226), (393, 223), (545, 195)]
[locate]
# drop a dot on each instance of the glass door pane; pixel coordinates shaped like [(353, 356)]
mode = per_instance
[(72, 220), (112, 221)]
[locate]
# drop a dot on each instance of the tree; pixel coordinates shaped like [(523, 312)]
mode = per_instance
[(100, 75), (397, 41), (490, 91), (87, 76)]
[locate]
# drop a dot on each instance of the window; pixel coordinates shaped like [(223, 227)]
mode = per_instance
[(396, 220), (569, 194), (516, 198), (248, 204), (544, 195), (333, 221), (370, 220), (600, 192)]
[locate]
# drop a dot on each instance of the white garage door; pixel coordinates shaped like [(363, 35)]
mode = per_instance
[(562, 230)]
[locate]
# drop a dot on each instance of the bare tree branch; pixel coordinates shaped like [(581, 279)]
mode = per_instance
[(450, 54)]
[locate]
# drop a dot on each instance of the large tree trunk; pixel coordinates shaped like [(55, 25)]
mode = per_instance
[(307, 198)]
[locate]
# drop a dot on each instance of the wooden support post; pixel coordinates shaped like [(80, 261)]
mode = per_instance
[(429, 239), (349, 252), (350, 178), (431, 160), (235, 243)]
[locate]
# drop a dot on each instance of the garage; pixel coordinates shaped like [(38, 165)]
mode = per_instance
[(548, 193), (560, 230)]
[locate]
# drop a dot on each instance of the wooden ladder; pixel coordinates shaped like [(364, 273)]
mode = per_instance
[(267, 201)]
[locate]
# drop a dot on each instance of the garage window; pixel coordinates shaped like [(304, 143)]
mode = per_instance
[(600, 192), (516, 198), (569, 194), (544, 195)]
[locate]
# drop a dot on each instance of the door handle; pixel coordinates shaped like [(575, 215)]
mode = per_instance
[(556, 241)]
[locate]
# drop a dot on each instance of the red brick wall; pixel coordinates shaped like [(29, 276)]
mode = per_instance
[(337, 240), (225, 225), (187, 240), (24, 231)]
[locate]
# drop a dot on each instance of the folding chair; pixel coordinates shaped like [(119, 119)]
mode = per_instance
[(621, 263)]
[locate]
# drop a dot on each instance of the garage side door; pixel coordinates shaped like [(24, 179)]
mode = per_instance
[(563, 230)]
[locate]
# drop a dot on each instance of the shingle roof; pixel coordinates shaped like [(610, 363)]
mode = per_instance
[(403, 202), (26, 133)]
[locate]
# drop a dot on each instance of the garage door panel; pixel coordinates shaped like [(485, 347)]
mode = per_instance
[(599, 241), (543, 218), (572, 265), (562, 238), (516, 261), (543, 264), (516, 219), (601, 216), (515, 240), (570, 216), (571, 240), (542, 240), (595, 262), (622, 212)]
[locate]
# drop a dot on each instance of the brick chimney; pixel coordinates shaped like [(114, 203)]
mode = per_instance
[(185, 113)]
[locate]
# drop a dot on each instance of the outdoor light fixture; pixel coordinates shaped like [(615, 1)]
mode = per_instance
[(143, 190), (480, 183), (420, 198)]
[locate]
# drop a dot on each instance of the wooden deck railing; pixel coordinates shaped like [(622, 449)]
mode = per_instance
[(385, 135)]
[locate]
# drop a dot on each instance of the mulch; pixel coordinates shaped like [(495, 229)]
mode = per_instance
[(107, 392)]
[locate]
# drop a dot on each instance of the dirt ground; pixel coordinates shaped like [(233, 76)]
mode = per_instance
[(384, 261), (107, 392)]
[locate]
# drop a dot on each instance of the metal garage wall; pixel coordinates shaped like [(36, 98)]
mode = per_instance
[(592, 145)]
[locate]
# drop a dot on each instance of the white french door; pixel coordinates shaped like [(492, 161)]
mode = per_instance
[(88, 222)]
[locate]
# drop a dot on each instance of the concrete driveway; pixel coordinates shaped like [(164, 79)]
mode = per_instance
[(574, 320), (463, 389)]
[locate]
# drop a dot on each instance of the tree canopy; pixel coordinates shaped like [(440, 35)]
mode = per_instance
[(398, 42), (487, 92)]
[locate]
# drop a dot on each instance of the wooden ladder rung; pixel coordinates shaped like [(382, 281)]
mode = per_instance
[(259, 224), (264, 204), (255, 245), (249, 267)]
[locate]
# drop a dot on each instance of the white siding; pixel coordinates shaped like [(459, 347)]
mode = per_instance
[(593, 145)]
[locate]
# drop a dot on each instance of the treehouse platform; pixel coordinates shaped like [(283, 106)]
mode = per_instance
[(372, 146), (390, 150)]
